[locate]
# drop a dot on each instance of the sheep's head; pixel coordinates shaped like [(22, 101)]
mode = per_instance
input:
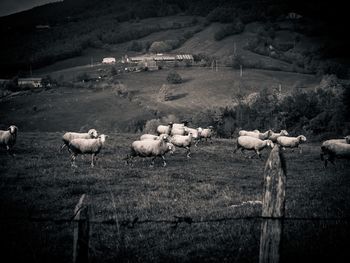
[(284, 133), (93, 133), (270, 143), (103, 137), (347, 139), (302, 138), (13, 129), (268, 133)]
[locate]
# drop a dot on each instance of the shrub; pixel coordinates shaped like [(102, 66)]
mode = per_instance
[(174, 77), (135, 46), (235, 28), (151, 126), (159, 47)]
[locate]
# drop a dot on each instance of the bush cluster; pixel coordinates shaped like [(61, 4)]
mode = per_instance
[(318, 112)]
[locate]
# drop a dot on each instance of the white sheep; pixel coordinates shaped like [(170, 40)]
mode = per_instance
[(86, 146), (8, 138), (336, 148), (183, 141), (153, 137), (291, 142), (256, 134), (150, 148), (165, 129), (206, 134), (196, 133), (69, 136), (179, 128), (273, 135), (251, 143)]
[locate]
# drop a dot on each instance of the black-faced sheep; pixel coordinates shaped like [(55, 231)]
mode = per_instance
[(8, 138)]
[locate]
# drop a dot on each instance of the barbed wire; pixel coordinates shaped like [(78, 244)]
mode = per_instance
[(131, 223)]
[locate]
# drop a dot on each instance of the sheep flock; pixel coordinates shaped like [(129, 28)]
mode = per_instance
[(180, 135)]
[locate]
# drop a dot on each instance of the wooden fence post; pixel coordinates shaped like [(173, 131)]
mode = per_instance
[(273, 207), (81, 232)]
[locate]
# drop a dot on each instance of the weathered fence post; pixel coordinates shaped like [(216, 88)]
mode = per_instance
[(273, 207), (81, 232)]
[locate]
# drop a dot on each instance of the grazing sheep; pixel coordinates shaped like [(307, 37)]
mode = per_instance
[(150, 148), (165, 129), (273, 136), (251, 143), (336, 148), (69, 136), (206, 134), (291, 142), (256, 134), (183, 141), (86, 146), (8, 138)]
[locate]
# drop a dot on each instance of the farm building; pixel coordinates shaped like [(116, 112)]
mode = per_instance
[(162, 59), (108, 61), (33, 82), (148, 64)]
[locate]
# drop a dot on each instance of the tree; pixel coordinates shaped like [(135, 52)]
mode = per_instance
[(159, 47), (174, 77)]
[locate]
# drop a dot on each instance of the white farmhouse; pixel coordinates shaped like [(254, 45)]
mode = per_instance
[(108, 61)]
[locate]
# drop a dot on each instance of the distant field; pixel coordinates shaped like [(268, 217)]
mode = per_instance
[(38, 185), (98, 104)]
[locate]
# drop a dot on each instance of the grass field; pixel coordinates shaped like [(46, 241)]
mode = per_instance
[(38, 188)]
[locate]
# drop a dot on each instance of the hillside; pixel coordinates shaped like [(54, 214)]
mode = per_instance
[(108, 26)]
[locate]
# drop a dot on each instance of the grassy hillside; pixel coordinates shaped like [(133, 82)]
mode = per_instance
[(90, 25), (39, 190), (128, 101)]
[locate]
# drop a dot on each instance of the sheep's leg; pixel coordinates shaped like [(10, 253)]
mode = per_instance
[(152, 162), (188, 152), (196, 142), (73, 156), (258, 153), (164, 161), (243, 153), (92, 159), (9, 151), (62, 146), (300, 150)]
